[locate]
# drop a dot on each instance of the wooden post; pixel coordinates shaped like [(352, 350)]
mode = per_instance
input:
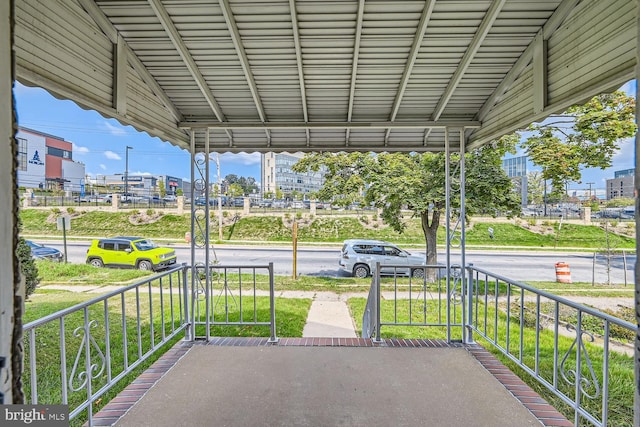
[(295, 250)]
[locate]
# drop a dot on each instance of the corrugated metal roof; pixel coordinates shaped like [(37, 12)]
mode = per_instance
[(310, 75)]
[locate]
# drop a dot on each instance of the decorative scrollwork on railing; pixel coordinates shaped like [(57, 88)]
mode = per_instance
[(589, 385), (455, 293), (200, 192), (95, 369), (455, 241), (201, 280)]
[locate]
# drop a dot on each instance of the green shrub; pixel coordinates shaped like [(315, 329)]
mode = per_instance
[(225, 214), (150, 212), (28, 267), (364, 219), (71, 210), (55, 211), (135, 212)]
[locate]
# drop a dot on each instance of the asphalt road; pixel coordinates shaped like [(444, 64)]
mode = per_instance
[(521, 266)]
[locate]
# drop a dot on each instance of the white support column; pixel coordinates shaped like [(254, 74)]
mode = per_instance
[(207, 223), (447, 191), (636, 403), (8, 223), (191, 331), (539, 73), (466, 332)]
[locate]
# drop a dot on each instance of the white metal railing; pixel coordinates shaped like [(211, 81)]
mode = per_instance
[(101, 341), (567, 347), (233, 295)]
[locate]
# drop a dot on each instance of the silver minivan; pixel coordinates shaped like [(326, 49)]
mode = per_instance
[(359, 258)]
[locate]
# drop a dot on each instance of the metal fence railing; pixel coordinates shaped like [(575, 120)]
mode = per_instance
[(423, 298), (567, 347), (233, 295), (574, 351), (101, 341)]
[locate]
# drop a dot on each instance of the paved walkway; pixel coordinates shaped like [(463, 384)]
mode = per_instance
[(329, 317)]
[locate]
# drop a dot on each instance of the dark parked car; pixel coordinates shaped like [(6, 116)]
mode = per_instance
[(44, 252)]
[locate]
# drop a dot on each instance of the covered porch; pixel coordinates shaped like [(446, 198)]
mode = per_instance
[(262, 76)]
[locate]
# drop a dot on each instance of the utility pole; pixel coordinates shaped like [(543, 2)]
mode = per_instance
[(126, 173), (590, 184)]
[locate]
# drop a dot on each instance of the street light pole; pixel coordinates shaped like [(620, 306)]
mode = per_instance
[(126, 173), (590, 184)]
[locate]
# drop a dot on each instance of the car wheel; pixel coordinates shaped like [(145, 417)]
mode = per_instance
[(417, 273), (96, 262), (145, 266), (360, 271)]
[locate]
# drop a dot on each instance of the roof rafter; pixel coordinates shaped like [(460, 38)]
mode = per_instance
[(242, 56), (195, 124), (411, 60), (483, 30), (190, 63), (354, 65), (298, 47), (552, 24), (112, 33)]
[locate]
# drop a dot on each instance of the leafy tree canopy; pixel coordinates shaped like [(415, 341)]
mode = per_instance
[(394, 182), (248, 185), (584, 136)]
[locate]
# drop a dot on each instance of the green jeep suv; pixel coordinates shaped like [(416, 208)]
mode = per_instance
[(130, 252)]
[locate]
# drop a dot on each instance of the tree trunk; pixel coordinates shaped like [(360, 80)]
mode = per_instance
[(430, 230)]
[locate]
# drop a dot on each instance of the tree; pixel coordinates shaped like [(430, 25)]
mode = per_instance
[(28, 267), (584, 136), (161, 188), (235, 190), (535, 187), (393, 181), (248, 185)]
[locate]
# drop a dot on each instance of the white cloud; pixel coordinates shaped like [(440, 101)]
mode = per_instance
[(625, 156), (114, 130), (80, 150), (111, 155), (103, 167)]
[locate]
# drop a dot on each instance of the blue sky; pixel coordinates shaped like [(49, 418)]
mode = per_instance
[(100, 143)]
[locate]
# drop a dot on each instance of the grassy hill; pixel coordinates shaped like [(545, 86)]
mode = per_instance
[(155, 224)]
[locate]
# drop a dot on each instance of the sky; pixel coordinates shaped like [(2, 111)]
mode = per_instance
[(100, 143)]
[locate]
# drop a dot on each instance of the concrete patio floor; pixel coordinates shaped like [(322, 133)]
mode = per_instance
[(328, 382)]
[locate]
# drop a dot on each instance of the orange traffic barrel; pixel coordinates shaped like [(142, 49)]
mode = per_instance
[(563, 273)]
